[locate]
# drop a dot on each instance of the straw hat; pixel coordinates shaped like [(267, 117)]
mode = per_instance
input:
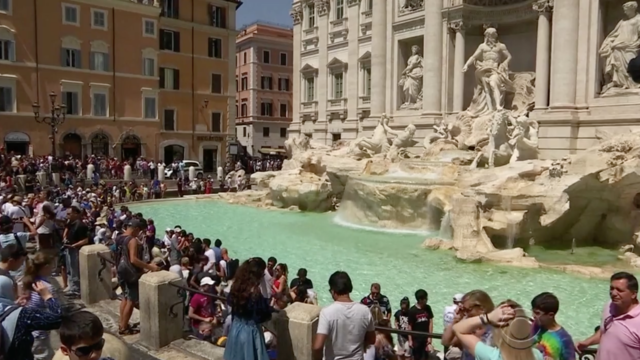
[(517, 334)]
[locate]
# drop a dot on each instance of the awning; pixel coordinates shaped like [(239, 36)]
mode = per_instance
[(272, 151)]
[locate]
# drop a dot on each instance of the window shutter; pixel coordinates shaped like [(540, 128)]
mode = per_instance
[(7, 99), (161, 37), (212, 15), (176, 79), (210, 47), (176, 8), (92, 61), (161, 78), (78, 59), (63, 57), (223, 18), (74, 103), (176, 41)]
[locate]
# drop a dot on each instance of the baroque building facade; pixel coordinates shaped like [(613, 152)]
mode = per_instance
[(355, 60)]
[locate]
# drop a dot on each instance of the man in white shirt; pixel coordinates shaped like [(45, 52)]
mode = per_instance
[(345, 328), (210, 254), (6, 206), (18, 212)]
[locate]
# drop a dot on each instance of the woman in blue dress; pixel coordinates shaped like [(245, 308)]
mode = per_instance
[(249, 308)]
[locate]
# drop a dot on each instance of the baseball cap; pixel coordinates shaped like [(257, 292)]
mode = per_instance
[(458, 297), (206, 281)]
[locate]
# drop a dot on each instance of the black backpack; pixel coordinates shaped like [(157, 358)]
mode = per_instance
[(8, 311), (232, 268)]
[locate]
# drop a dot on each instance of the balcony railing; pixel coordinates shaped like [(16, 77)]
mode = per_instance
[(154, 3), (308, 106), (337, 103)]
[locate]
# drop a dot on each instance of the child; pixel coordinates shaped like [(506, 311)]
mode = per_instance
[(39, 269), (553, 341), (81, 336)]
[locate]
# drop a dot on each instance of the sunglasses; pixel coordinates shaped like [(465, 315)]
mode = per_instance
[(85, 351)]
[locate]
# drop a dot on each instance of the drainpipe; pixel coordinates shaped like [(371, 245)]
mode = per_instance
[(193, 81), (113, 63), (35, 24)]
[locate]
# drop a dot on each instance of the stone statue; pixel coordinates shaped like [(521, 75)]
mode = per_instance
[(402, 141), (411, 80), (491, 61), (296, 145), (498, 144), (619, 48), (411, 5), (524, 140), (378, 143)]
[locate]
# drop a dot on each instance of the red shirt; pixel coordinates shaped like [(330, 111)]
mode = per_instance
[(202, 306)]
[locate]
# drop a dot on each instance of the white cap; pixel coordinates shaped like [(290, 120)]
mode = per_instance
[(206, 281), (458, 297)]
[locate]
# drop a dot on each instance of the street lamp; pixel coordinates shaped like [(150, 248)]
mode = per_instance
[(57, 117)]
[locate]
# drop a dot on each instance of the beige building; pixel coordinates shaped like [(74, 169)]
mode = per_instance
[(123, 69), (351, 58), (263, 76)]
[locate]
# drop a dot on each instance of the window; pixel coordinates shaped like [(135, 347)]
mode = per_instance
[(149, 103), (265, 109), (337, 85), (367, 81), (7, 50), (149, 66), (244, 82), (148, 28), (170, 9), (283, 59), (98, 19), (283, 110), (169, 79), (70, 14), (311, 88), (5, 6), (283, 84), (6, 99), (215, 48), (266, 57), (71, 100), (243, 108), (244, 131), (336, 137), (218, 16), (244, 58), (216, 122), (311, 20), (265, 131), (339, 9), (369, 5), (283, 132), (169, 40), (169, 120), (99, 104), (267, 82), (99, 61), (71, 58), (216, 84)]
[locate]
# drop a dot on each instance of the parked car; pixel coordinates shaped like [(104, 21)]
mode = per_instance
[(170, 174)]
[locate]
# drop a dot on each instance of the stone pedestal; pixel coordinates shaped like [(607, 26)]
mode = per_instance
[(56, 178), (94, 288), (90, 170), (295, 328), (161, 172), (192, 173), (42, 178), (127, 173), (157, 328), (20, 182)]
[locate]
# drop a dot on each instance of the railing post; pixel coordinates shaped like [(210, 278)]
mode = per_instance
[(94, 288), (295, 327), (157, 295)]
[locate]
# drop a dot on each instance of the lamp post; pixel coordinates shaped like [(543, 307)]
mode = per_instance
[(57, 117)]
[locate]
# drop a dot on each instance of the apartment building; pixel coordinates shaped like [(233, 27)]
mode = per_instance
[(264, 98), (106, 61)]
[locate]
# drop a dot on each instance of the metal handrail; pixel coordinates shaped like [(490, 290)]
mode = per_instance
[(103, 264)]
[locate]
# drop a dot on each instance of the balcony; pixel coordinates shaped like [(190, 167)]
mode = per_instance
[(310, 32), (365, 101), (154, 3), (337, 104), (308, 107)]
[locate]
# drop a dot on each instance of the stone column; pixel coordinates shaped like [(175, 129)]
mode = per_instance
[(95, 279), (296, 327), (565, 54), (298, 17), (459, 59), (432, 54), (322, 86), (157, 327), (378, 57), (353, 70), (543, 53)]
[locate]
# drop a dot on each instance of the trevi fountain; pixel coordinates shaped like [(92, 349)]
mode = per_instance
[(477, 184)]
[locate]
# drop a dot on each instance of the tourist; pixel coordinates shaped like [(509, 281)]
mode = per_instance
[(345, 328), (421, 319), (512, 335), (210, 254), (402, 323), (19, 214), (375, 298), (45, 226), (81, 336), (176, 245), (201, 306), (280, 282), (12, 257), (474, 303), (129, 268), (217, 250), (7, 237), (76, 236), (619, 334), (449, 315), (39, 269), (303, 281), (249, 309), (552, 340), (197, 272)]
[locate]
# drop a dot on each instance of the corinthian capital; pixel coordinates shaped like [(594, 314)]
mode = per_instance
[(322, 7), (456, 25), (543, 6), (353, 2), (296, 14)]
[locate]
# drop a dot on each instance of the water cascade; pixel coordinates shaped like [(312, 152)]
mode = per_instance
[(446, 231), (511, 225)]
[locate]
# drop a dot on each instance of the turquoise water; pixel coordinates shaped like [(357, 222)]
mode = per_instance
[(396, 261)]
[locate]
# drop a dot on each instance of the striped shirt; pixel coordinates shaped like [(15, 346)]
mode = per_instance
[(36, 301)]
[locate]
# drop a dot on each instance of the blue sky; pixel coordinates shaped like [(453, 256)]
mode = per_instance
[(275, 11)]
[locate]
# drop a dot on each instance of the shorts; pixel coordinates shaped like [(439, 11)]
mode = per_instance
[(403, 347), (130, 291)]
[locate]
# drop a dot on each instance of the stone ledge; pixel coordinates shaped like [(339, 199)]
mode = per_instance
[(198, 349)]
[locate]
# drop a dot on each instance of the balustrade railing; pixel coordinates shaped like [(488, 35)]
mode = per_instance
[(105, 261)]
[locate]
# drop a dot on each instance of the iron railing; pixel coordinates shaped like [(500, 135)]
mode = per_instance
[(105, 261)]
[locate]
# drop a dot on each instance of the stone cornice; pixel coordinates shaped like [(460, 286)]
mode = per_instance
[(322, 7), (476, 15)]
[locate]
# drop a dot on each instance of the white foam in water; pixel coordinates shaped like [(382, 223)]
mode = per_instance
[(342, 222)]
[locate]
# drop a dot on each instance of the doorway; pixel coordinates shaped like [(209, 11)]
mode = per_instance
[(173, 153), (209, 160), (72, 145), (18, 148), (100, 145), (131, 148)]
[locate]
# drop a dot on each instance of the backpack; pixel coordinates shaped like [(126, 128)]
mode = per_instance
[(3, 347), (232, 268)]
